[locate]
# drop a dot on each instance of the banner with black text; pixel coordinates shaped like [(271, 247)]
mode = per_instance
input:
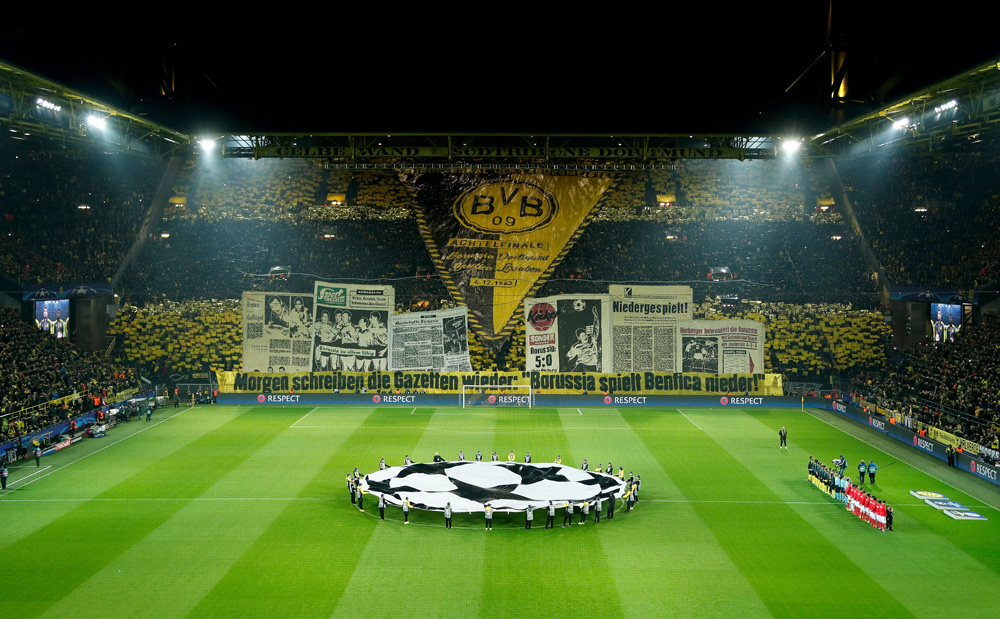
[(277, 332), (568, 333), (437, 340), (350, 331), (644, 326)]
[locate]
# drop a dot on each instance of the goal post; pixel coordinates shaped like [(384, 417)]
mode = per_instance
[(498, 395)]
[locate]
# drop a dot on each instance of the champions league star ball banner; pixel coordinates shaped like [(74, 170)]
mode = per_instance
[(548, 383), (720, 346), (568, 333), (277, 332), (436, 341), (644, 326), (350, 330), (495, 239)]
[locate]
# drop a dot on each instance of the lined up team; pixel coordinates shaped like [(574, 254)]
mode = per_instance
[(862, 504)]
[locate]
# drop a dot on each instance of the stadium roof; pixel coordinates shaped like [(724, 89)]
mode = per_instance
[(742, 71)]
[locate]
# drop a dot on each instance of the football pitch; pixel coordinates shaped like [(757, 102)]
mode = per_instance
[(243, 511)]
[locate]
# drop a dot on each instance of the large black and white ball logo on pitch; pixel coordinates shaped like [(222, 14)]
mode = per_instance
[(506, 486)]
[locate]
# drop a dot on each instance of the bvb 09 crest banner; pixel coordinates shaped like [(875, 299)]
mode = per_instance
[(496, 239), (568, 333)]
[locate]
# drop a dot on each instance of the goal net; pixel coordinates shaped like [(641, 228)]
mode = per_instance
[(493, 395)]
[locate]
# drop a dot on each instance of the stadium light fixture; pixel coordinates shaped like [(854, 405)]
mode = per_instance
[(96, 121), (902, 123), (48, 105), (946, 106), (791, 145), (207, 144)]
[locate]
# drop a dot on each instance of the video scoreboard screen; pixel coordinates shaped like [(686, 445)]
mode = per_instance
[(946, 321), (52, 317)]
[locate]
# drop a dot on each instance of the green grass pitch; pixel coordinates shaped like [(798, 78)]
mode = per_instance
[(242, 511)]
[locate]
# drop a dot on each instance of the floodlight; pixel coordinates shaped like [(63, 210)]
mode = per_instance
[(946, 106), (96, 121), (207, 144), (48, 105), (790, 145), (902, 123)]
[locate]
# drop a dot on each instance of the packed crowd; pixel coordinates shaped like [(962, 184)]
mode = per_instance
[(70, 218), (930, 220), (699, 191), (790, 261), (39, 369), (954, 386), (165, 337), (814, 340)]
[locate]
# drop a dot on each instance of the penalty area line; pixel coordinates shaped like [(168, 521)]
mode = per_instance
[(32, 475), (304, 416), (689, 419)]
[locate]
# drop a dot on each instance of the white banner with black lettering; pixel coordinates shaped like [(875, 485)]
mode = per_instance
[(568, 333), (277, 332), (720, 346), (644, 326), (437, 341), (351, 330)]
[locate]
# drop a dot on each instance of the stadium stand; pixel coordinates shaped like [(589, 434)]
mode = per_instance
[(40, 370), (930, 219), (954, 386), (70, 217)]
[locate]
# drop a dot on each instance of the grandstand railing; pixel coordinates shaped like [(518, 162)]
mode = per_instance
[(43, 406)]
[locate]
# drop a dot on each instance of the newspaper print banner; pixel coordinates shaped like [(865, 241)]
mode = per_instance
[(277, 332), (721, 346), (436, 341), (568, 333), (351, 332), (644, 326)]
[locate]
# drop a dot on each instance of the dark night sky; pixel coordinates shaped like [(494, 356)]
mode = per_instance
[(711, 68)]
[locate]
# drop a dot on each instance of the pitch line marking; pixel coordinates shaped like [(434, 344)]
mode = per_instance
[(580, 411), (689, 419), (304, 416), (27, 476), (932, 476), (107, 446), (334, 499), (414, 410), (463, 430)]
